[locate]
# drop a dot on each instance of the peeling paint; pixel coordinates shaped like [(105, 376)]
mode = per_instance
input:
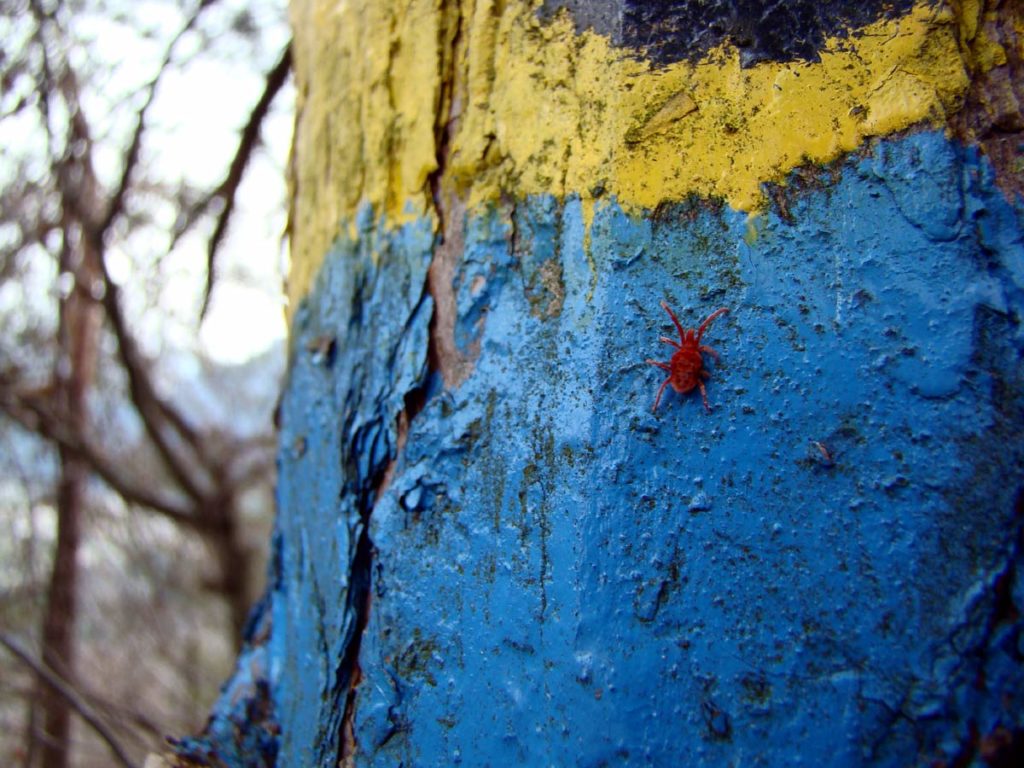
[(569, 107), (489, 550), (993, 113), (370, 297), (562, 576)]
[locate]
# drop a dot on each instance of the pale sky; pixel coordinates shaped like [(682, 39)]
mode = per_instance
[(194, 127)]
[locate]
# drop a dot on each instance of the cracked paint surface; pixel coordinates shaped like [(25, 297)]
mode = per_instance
[(563, 577), (543, 109), (360, 344), (489, 551), (559, 575)]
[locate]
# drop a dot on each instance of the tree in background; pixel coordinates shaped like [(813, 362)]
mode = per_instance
[(110, 254)]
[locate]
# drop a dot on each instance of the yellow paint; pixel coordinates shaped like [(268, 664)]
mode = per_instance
[(537, 108), (753, 229), (367, 91), (986, 53)]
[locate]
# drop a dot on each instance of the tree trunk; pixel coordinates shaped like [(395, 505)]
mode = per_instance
[(503, 536), (61, 606), (78, 331)]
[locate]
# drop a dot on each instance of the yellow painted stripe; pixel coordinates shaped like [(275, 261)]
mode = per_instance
[(539, 108)]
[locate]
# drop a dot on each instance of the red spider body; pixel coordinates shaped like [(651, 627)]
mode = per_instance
[(686, 367)]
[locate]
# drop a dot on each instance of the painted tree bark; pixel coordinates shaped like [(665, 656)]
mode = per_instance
[(489, 549)]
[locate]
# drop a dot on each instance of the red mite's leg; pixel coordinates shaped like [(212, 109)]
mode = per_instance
[(667, 340), (703, 394), (707, 322), (666, 366), (682, 336), (660, 390), (710, 351)]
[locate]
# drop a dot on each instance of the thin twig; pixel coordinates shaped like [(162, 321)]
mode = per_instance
[(44, 86), (153, 409), (247, 144), (34, 417), (156, 413), (65, 690), (150, 406), (116, 206)]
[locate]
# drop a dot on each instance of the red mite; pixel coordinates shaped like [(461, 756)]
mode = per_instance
[(686, 367)]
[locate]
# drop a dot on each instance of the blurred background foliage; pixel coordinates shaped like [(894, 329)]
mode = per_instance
[(143, 211)]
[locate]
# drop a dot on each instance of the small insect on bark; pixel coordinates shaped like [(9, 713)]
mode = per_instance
[(686, 366)]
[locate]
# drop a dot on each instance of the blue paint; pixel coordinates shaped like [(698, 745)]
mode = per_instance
[(242, 731), (360, 345), (820, 570)]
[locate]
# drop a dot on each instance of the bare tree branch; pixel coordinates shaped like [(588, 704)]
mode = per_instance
[(116, 205), (247, 144), (154, 410), (80, 198), (45, 82), (80, 216), (35, 417), (63, 688)]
